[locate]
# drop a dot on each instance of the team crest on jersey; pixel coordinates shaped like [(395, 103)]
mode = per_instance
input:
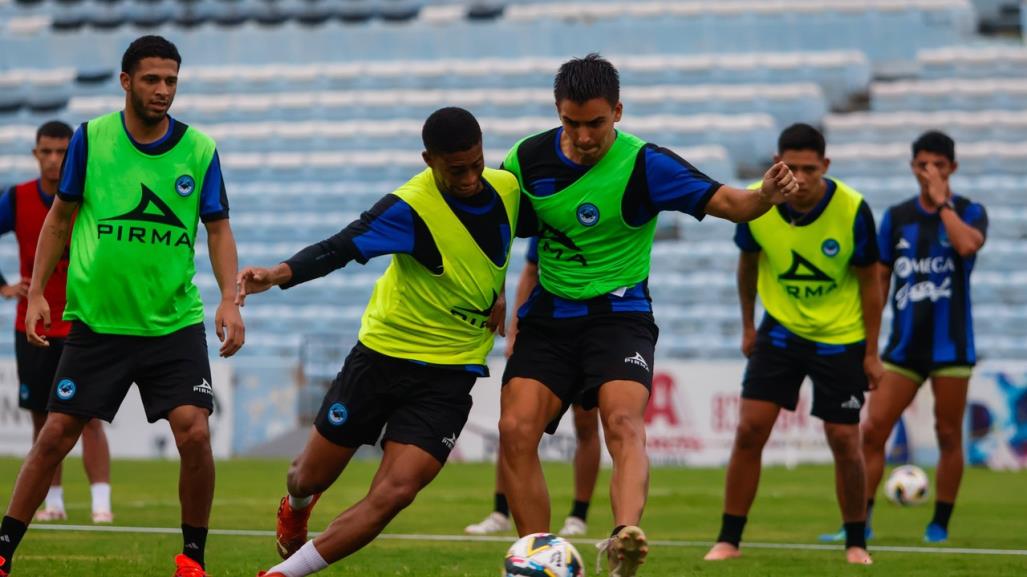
[(337, 414), (830, 247), (185, 185), (588, 214), (66, 389)]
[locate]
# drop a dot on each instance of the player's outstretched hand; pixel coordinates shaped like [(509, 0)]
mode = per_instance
[(229, 327), (874, 369), (252, 280), (38, 312), (778, 183), (497, 319)]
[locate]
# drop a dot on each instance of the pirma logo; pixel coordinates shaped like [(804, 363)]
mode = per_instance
[(830, 247), (588, 214), (184, 185), (24, 392), (66, 389), (337, 414)]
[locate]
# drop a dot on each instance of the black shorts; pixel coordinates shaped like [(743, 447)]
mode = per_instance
[(96, 371), (778, 366), (574, 357), (421, 405), (36, 368)]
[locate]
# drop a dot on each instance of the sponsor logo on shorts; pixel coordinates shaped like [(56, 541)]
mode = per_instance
[(24, 392), (204, 387), (449, 441), (639, 360), (852, 403), (337, 414), (588, 214), (830, 247), (185, 185), (66, 389)]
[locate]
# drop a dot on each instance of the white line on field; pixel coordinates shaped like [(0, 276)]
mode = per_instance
[(507, 538)]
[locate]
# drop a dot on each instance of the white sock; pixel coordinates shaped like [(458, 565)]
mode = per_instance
[(101, 497), (55, 498), (306, 561), (299, 503)]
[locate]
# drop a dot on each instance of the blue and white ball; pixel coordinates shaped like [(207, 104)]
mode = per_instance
[(543, 555)]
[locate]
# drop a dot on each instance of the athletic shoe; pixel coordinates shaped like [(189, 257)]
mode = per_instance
[(935, 533), (50, 514), (103, 517), (839, 537), (573, 526), (187, 567), (292, 527), (624, 552), (494, 523)]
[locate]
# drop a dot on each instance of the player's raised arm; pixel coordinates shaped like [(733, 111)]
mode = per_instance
[(52, 241), (742, 205)]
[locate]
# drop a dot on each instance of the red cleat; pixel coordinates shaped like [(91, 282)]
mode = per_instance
[(187, 567), (292, 527)]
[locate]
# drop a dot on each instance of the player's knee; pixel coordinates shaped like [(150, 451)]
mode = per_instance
[(516, 433), (194, 438), (750, 436), (950, 438), (844, 442), (625, 427), (395, 496), (871, 430)]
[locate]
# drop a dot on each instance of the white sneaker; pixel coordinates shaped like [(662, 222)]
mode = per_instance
[(494, 523), (49, 514), (624, 552), (573, 526), (103, 517)]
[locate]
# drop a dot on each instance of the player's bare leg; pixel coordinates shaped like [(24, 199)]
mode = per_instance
[(55, 440), (622, 410), (884, 407), (755, 422), (850, 483), (311, 473), (189, 425), (949, 408), (96, 457), (586, 469), (526, 407), (53, 510)]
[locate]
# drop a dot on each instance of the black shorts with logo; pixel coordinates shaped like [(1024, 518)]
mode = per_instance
[(781, 361), (36, 368), (96, 371), (417, 404), (574, 357)]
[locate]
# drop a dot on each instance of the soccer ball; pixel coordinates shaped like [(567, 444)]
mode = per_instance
[(543, 555), (907, 485)]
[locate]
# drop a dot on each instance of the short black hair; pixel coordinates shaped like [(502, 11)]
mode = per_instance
[(801, 136), (450, 129), (582, 79), (148, 47), (54, 129), (937, 142)]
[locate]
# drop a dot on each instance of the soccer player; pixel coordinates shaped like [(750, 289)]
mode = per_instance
[(140, 181), (929, 244), (22, 210), (586, 430), (812, 262), (587, 331), (423, 339)]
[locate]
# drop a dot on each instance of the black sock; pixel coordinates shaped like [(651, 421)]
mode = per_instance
[(617, 530), (195, 541), (870, 509), (942, 513), (501, 506), (580, 510), (731, 527), (855, 534), (11, 532)]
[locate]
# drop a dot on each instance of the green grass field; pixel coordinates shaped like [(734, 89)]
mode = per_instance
[(684, 505)]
